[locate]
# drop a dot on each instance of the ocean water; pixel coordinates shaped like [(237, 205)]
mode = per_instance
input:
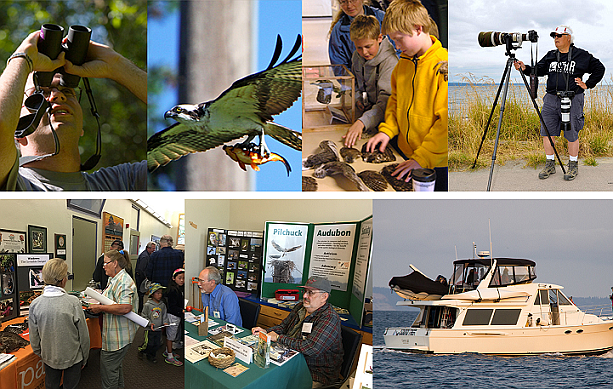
[(395, 369)]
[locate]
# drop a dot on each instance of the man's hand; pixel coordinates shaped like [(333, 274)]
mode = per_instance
[(273, 336), (40, 62), (255, 330), (354, 133), (580, 83), (519, 64), (375, 140), (101, 62), (405, 168)]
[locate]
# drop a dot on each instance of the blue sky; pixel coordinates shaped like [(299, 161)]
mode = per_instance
[(283, 17)]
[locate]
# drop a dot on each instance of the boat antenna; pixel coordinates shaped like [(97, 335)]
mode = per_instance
[(474, 250), (489, 222), (456, 252)]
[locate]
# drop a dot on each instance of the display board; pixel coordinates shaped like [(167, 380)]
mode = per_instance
[(339, 252), (9, 307), (112, 229), (238, 256), (29, 277)]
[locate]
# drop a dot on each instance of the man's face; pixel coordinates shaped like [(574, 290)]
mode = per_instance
[(409, 44), (368, 48), (150, 249), (66, 114), (313, 299), (205, 286), (562, 41)]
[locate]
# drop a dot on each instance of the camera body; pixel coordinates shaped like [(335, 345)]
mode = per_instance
[(565, 103), (513, 39), (50, 44)]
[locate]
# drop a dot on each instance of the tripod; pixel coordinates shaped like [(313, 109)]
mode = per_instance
[(504, 86)]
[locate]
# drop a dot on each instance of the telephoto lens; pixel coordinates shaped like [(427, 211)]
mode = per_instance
[(50, 44), (491, 38), (565, 108), (76, 52)]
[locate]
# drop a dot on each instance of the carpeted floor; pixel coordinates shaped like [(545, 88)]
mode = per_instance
[(137, 373)]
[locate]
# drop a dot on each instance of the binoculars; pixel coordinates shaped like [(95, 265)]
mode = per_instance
[(50, 44)]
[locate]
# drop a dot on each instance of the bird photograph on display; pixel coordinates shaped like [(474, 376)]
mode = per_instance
[(245, 109), (282, 250)]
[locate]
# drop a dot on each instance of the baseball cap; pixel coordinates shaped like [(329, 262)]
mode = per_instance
[(320, 283), (561, 30), (118, 242)]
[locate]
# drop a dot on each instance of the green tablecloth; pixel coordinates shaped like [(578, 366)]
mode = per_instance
[(294, 373)]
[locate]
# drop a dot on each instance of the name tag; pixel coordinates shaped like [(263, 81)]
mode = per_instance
[(216, 314), (307, 327)]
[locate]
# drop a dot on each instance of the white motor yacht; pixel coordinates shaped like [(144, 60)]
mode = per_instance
[(494, 306)]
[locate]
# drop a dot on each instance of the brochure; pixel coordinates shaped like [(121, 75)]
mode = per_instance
[(262, 355), (199, 351), (235, 369), (280, 354)]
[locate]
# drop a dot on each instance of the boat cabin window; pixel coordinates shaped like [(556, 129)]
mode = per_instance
[(551, 297), (512, 275), (481, 317), (467, 276), (436, 317)]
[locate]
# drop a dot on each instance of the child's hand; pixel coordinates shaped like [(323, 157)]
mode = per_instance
[(359, 105), (375, 140), (405, 168), (354, 133), (152, 327)]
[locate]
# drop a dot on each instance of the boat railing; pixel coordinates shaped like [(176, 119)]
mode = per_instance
[(601, 311)]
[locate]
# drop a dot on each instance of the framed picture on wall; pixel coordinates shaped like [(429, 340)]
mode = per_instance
[(37, 239), (60, 246)]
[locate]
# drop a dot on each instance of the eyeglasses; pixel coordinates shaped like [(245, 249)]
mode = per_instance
[(67, 92), (201, 280), (106, 263), (345, 2), (312, 292)]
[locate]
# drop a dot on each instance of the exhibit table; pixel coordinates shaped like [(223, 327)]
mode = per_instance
[(26, 371), (310, 144), (294, 373)]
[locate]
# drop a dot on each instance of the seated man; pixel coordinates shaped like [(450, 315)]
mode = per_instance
[(221, 300), (61, 171), (314, 329)]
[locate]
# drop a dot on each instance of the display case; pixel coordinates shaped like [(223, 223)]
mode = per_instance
[(328, 96)]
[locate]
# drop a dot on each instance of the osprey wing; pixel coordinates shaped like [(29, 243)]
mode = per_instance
[(178, 140), (271, 91), (276, 246)]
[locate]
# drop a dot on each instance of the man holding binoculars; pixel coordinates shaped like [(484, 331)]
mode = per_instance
[(51, 146), (563, 102)]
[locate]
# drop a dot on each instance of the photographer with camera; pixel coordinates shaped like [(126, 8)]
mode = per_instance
[(60, 126), (563, 102)]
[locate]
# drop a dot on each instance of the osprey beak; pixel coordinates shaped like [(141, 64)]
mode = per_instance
[(169, 114)]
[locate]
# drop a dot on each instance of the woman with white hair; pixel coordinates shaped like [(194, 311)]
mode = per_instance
[(56, 312)]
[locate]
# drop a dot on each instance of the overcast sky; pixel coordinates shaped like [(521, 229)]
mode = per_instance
[(590, 20), (571, 241)]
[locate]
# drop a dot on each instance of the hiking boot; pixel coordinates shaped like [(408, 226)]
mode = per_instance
[(550, 168), (573, 170), (170, 358)]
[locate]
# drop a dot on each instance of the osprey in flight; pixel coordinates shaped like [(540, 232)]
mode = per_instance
[(282, 250), (244, 109)]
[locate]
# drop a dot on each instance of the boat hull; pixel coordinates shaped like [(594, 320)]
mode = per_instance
[(568, 340)]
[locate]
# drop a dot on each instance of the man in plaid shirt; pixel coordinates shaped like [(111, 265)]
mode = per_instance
[(117, 331), (314, 329), (164, 261)]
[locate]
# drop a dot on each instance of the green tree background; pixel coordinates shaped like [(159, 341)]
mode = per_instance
[(119, 24)]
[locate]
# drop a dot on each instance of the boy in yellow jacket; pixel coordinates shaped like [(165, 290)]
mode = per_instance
[(416, 112)]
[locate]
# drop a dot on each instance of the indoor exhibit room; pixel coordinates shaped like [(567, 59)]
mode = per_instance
[(279, 293), (69, 295)]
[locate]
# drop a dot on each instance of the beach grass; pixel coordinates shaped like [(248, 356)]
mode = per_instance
[(519, 134)]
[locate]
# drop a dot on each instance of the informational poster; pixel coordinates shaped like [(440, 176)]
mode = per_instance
[(362, 258), (331, 253), (238, 255), (112, 229), (285, 251), (12, 241)]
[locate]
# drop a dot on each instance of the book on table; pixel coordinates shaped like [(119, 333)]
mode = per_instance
[(262, 355)]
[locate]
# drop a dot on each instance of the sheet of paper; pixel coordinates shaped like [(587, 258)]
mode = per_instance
[(141, 321)]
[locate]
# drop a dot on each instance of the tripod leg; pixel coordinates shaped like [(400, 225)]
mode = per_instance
[(502, 106), (504, 75), (542, 121)]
